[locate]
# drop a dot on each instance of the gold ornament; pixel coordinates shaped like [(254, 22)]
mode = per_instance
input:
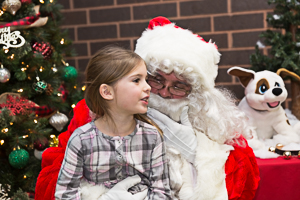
[(53, 141), (279, 146), (272, 149), (287, 155), (299, 154), (12, 6)]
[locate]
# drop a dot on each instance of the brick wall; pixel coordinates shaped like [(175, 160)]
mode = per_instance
[(234, 25)]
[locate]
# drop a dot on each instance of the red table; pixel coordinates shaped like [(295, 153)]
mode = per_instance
[(279, 179)]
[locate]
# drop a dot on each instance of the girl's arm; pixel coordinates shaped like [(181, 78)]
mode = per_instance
[(71, 170), (159, 174)]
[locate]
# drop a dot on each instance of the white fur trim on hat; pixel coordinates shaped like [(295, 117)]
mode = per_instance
[(182, 51)]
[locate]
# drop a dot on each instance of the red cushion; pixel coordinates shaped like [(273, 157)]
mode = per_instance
[(242, 174)]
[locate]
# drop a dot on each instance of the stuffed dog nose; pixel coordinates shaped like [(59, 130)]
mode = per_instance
[(277, 91)]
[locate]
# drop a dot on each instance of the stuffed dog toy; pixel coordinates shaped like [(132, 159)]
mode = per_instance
[(264, 93)]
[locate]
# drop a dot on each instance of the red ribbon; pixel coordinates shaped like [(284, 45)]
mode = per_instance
[(21, 22)]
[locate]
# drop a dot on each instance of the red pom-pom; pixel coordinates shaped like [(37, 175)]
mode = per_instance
[(158, 21)]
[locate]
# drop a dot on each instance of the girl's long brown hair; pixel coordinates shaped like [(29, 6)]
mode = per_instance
[(107, 66)]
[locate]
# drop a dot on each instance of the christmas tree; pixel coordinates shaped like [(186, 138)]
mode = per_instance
[(37, 89), (283, 42)]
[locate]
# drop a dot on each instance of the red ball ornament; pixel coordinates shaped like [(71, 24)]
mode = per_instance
[(26, 1), (41, 144), (64, 92), (31, 194)]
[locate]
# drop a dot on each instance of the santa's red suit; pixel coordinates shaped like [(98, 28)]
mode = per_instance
[(223, 168)]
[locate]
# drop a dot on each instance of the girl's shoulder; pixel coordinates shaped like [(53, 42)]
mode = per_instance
[(84, 129)]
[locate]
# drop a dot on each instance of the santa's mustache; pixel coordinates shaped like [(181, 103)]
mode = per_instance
[(169, 107)]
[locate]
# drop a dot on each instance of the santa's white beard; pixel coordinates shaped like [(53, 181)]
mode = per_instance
[(169, 107)]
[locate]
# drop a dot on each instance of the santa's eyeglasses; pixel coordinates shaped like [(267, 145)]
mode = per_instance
[(179, 88)]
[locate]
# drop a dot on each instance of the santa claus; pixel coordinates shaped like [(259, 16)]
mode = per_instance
[(203, 129)]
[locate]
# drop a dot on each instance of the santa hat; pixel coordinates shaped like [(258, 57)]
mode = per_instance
[(167, 47)]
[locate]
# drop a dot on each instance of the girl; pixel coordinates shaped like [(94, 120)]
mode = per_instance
[(120, 142)]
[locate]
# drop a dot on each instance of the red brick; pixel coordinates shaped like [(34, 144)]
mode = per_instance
[(247, 39), (74, 18), (132, 29), (71, 33), (249, 5), (81, 79), (82, 64), (110, 15), (219, 39), (92, 3), (65, 4), (80, 49), (97, 32), (134, 1), (203, 7), (195, 24), (241, 57), (238, 22), (134, 43), (95, 46), (151, 11), (70, 61), (223, 76)]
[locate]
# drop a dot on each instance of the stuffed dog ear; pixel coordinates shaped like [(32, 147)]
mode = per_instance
[(244, 75), (284, 73)]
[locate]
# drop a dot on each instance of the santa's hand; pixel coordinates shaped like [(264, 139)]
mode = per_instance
[(181, 136), (120, 190)]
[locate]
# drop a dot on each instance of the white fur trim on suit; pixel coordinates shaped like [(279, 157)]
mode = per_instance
[(210, 165), (210, 162)]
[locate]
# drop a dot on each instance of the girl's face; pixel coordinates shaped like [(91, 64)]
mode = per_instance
[(131, 93)]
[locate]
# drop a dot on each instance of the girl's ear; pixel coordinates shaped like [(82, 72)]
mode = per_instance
[(106, 92)]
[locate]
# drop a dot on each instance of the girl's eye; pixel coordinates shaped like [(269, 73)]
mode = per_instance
[(262, 89), (277, 84), (136, 80)]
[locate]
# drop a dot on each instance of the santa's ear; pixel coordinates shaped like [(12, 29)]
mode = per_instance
[(285, 73), (106, 91), (244, 75)]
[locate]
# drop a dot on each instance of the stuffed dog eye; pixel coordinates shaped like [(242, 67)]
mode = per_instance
[(277, 84), (262, 86), (262, 89)]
